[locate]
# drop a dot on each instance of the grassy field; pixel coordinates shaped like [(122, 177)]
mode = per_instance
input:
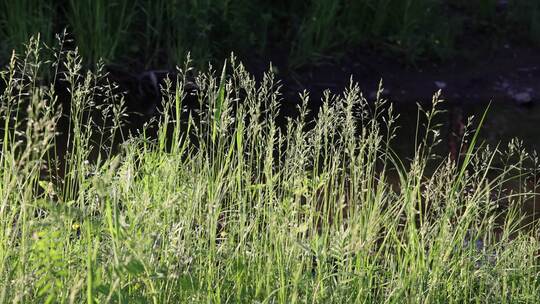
[(225, 205), (161, 32)]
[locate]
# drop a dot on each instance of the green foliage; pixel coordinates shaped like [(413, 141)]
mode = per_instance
[(162, 32), (19, 20), (101, 27), (409, 28), (50, 269), (234, 208), (177, 27), (207, 29), (317, 32)]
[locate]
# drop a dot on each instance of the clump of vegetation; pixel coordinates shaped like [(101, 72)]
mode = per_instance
[(101, 27), (226, 205), (160, 32), (20, 20)]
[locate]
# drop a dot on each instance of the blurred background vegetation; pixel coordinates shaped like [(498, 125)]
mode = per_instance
[(159, 33)]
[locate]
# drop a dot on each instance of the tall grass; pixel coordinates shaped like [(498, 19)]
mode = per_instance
[(205, 29), (101, 28), (317, 33), (19, 20), (404, 27), (236, 208), (159, 33), (177, 27)]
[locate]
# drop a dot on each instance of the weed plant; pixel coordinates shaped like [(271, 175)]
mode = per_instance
[(228, 206)]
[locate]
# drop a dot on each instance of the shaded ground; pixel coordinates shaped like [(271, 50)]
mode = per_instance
[(508, 74)]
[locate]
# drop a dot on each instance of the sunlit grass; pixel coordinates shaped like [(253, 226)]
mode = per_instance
[(229, 206)]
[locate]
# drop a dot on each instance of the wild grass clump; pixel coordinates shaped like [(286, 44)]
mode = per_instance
[(19, 20), (101, 27), (225, 205)]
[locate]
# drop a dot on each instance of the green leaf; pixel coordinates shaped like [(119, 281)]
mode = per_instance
[(134, 267), (103, 289), (218, 107)]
